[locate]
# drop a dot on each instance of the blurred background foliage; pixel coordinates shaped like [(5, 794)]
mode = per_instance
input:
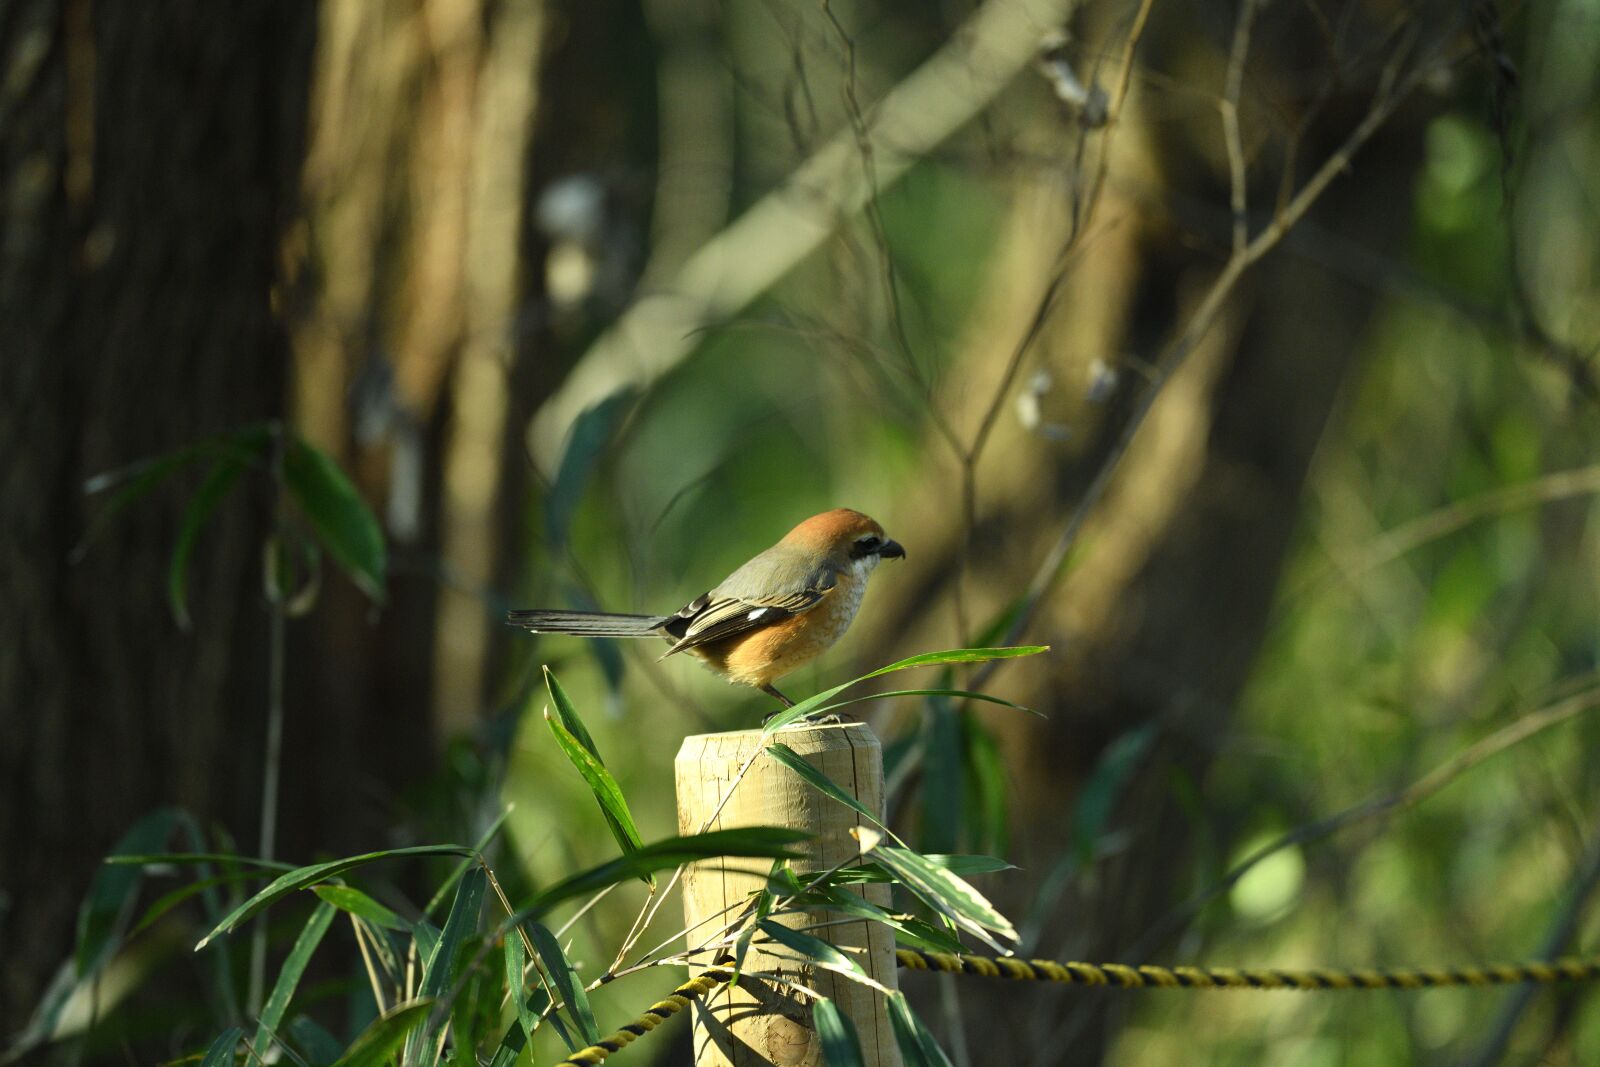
[(479, 252)]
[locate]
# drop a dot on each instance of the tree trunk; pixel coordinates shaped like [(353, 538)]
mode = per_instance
[(152, 154)]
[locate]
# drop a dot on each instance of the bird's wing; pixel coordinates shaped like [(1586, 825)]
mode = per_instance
[(723, 612)]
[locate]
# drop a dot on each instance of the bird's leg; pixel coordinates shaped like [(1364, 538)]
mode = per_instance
[(825, 720)]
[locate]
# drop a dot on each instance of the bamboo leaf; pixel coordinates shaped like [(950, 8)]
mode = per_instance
[(815, 704), (911, 931), (304, 877), (819, 952), (440, 970), (220, 1054), (947, 893), (379, 1042), (590, 432), (958, 864), (765, 842), (289, 977), (567, 982), (467, 861), (840, 1045), (344, 523), (355, 902), (957, 694), (822, 783), (319, 1047), (604, 787), (917, 1046), (212, 492)]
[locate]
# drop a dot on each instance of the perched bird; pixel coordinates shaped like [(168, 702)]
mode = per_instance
[(774, 614)]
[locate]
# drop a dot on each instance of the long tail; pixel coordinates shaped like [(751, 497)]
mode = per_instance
[(586, 623)]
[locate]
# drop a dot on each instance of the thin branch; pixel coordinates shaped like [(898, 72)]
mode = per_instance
[(1237, 175), (1506, 737)]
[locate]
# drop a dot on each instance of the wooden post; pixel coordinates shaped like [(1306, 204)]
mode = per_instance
[(759, 1023)]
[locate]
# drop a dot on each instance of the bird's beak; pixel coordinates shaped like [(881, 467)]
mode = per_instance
[(892, 550)]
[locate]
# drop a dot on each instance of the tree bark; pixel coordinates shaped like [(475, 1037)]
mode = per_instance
[(152, 154)]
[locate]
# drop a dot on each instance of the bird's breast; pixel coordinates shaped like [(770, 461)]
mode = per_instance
[(759, 657)]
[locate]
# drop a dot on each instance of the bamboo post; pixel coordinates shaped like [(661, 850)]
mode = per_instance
[(760, 1023)]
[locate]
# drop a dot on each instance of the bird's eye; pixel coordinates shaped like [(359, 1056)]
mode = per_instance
[(865, 546)]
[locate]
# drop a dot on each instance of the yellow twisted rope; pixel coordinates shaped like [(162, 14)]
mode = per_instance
[(653, 1016), (1148, 977), (1122, 976)]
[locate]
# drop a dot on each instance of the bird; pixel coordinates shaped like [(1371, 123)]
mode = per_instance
[(776, 613)]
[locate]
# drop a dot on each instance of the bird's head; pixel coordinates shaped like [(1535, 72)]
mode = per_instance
[(847, 538)]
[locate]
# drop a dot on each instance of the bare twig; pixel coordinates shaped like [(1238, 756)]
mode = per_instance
[(1237, 175), (1507, 736)]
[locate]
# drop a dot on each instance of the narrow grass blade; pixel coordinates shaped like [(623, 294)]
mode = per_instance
[(344, 523), (355, 902), (379, 1042), (947, 893), (212, 492), (566, 980), (820, 952), (220, 1054), (823, 784), (917, 1046), (289, 977), (765, 842), (304, 877), (840, 1045)]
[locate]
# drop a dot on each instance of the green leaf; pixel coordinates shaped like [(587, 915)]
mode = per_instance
[(212, 492), (168, 901), (289, 977), (962, 865), (304, 877), (379, 1042), (220, 1054), (944, 785), (766, 842), (987, 822), (467, 862), (344, 523), (959, 655), (823, 784), (958, 694), (439, 970), (113, 891), (516, 984), (138, 479), (357, 903), (163, 859), (946, 893), (917, 1046), (567, 982), (590, 432), (913, 932), (840, 1045), (819, 952), (604, 787), (815, 704), (1099, 796), (319, 1047)]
